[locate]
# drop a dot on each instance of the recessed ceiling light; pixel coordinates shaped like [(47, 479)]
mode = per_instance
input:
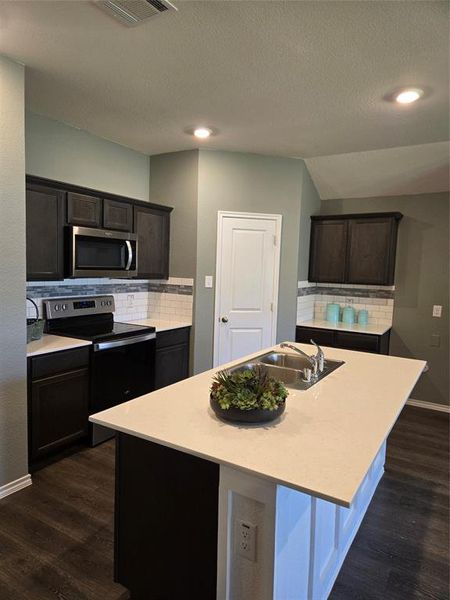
[(409, 95), (202, 132)]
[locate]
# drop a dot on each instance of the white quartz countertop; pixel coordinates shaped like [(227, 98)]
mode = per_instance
[(162, 324), (355, 328), (53, 343), (323, 444)]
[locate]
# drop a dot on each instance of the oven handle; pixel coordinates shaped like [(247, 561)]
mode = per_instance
[(126, 342), (130, 255)]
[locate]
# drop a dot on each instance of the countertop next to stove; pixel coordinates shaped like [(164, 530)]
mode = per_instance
[(53, 343), (162, 324)]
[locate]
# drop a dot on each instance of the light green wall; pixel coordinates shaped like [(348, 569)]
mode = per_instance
[(13, 388), (247, 183), (57, 151), (174, 182), (421, 280), (310, 205)]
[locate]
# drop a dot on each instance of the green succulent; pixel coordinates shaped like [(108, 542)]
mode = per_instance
[(248, 389)]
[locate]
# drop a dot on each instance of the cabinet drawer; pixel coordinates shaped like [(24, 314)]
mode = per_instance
[(57, 362), (357, 341), (117, 215), (324, 337), (83, 210), (172, 337)]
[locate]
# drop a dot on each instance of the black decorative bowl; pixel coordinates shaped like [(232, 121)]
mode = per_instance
[(237, 415)]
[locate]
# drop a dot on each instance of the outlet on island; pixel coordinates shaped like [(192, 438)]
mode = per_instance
[(245, 539)]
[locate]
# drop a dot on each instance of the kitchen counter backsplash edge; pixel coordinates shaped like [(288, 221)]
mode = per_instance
[(312, 300), (135, 299)]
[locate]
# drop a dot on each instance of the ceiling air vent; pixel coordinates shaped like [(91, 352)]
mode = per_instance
[(133, 12)]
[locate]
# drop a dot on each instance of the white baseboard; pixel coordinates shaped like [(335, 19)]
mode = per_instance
[(15, 486), (428, 405)]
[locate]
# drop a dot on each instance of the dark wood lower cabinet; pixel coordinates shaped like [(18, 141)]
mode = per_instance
[(166, 522), (58, 404), (362, 342), (172, 356)]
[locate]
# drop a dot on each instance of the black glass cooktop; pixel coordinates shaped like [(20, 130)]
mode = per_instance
[(95, 328)]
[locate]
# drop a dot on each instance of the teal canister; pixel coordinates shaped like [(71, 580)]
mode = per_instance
[(363, 317), (348, 315), (333, 312)]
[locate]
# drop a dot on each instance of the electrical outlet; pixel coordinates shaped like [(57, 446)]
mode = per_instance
[(437, 310), (130, 300), (208, 281), (435, 340), (245, 537)]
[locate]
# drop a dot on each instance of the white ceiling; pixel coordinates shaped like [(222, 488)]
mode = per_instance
[(389, 172), (300, 78)]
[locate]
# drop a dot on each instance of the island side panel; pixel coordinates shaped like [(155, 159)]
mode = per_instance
[(301, 541), (166, 522)]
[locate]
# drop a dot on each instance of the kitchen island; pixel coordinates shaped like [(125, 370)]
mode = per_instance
[(189, 485)]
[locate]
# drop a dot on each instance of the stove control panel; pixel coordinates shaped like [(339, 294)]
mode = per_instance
[(57, 308)]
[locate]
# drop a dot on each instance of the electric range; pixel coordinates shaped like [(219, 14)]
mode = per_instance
[(122, 355)]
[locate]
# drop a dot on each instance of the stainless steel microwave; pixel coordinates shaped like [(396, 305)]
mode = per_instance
[(102, 253)]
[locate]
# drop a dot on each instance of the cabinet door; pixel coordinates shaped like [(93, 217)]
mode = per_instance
[(45, 233), (328, 251), (83, 210), (171, 364), (59, 411), (361, 342), (323, 337), (117, 215), (152, 227), (371, 250)]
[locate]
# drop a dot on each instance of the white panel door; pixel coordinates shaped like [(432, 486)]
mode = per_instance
[(248, 257)]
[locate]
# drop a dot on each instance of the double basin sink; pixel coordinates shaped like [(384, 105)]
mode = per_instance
[(289, 368)]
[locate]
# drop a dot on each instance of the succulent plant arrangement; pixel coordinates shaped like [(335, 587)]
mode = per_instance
[(249, 389)]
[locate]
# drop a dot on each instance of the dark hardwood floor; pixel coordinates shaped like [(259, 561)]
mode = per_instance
[(56, 537), (401, 551)]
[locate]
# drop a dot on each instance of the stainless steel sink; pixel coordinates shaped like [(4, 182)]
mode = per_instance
[(288, 368), (283, 359)]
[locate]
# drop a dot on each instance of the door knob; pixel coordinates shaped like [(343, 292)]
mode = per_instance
[(224, 319)]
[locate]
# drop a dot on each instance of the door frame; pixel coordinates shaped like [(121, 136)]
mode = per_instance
[(221, 215)]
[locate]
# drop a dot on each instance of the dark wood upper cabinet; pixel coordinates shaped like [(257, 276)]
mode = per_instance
[(328, 247), (371, 250), (45, 233), (117, 215), (358, 249), (83, 210), (52, 204), (153, 230)]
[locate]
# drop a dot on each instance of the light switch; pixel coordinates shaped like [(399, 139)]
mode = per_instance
[(437, 310), (208, 281)]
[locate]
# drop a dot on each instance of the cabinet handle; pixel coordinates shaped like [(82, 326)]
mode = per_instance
[(224, 319)]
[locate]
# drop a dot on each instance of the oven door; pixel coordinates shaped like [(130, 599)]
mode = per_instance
[(120, 371), (102, 253)]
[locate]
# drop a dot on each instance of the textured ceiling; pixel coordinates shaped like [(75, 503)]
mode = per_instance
[(390, 172), (301, 78)]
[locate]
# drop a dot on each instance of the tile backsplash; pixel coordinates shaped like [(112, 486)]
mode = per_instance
[(135, 299), (312, 300)]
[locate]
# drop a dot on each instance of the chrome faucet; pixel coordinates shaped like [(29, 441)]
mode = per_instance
[(317, 361), (311, 359), (320, 356)]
